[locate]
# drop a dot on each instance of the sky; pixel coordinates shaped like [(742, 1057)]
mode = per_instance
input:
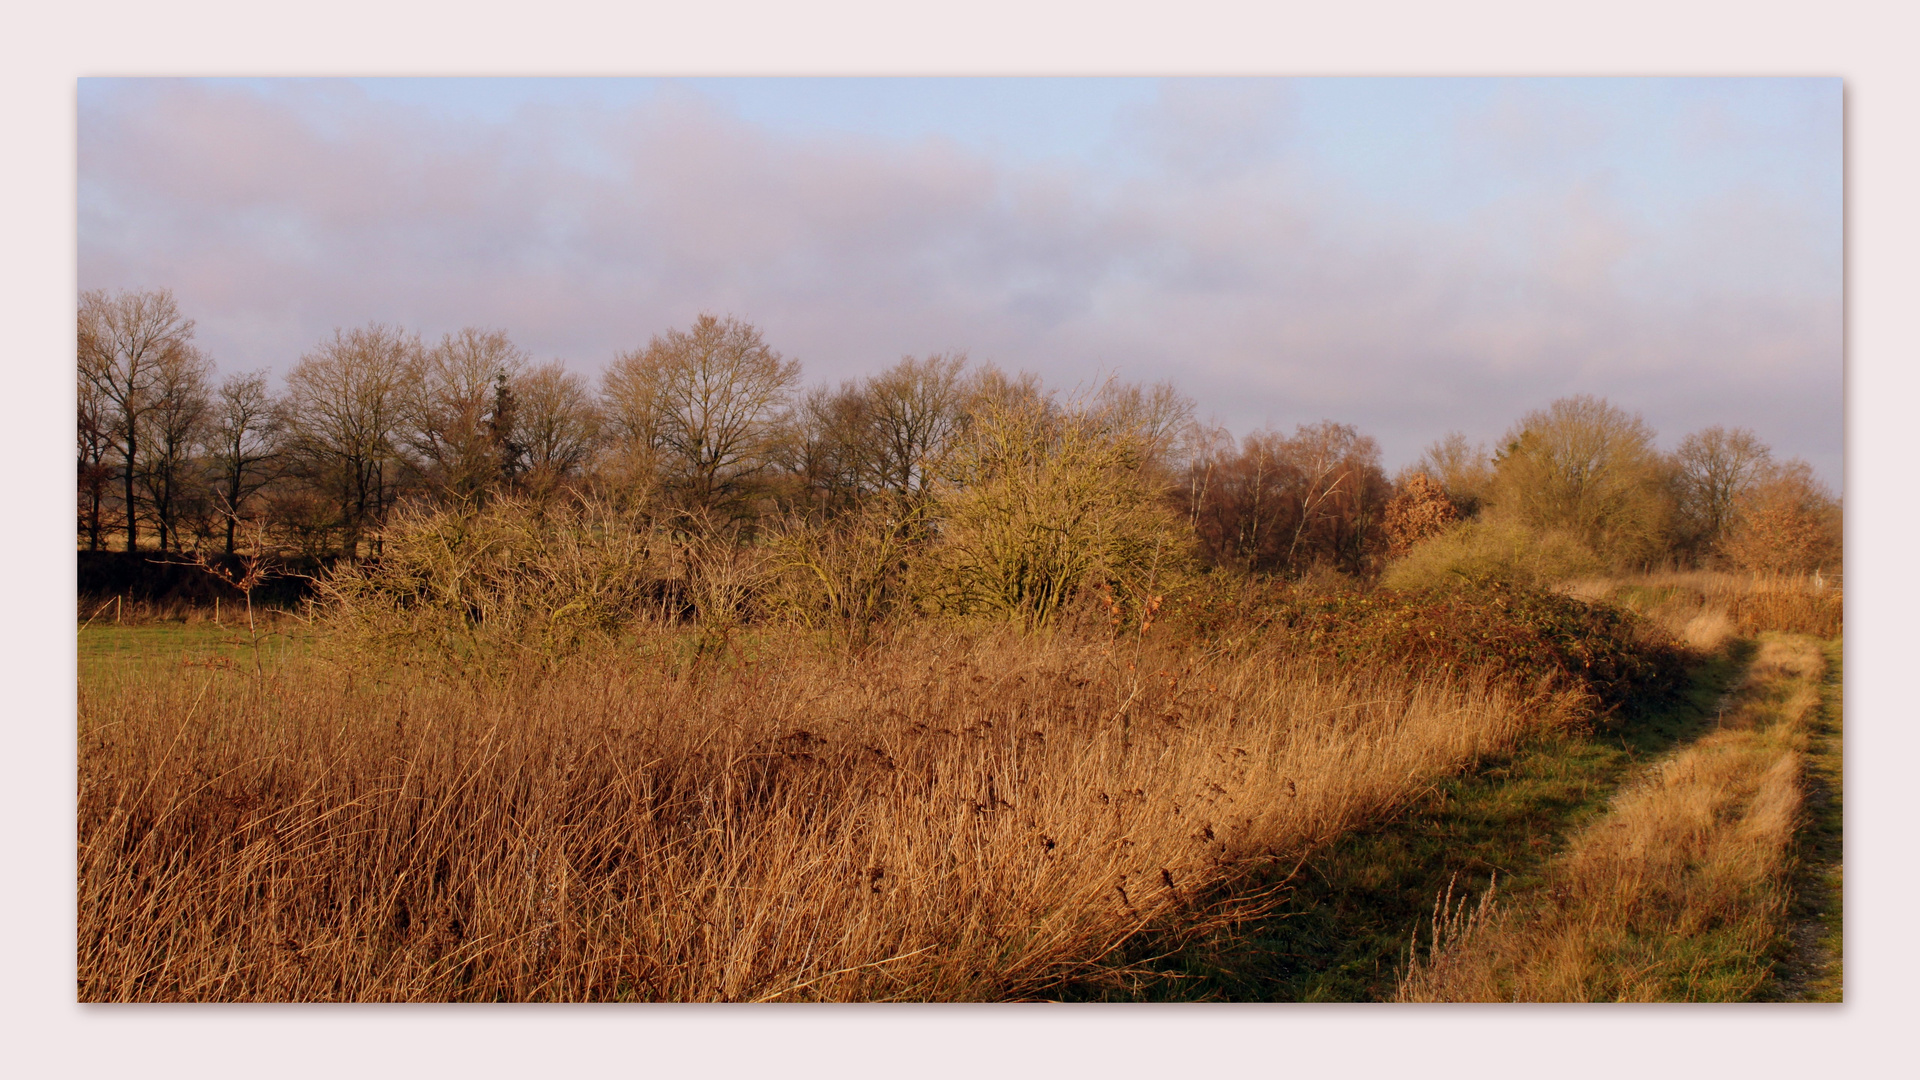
[(1411, 256)]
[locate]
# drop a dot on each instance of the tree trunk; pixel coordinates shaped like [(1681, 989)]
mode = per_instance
[(133, 519)]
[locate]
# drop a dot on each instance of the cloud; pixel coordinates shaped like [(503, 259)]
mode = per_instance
[(1216, 255)]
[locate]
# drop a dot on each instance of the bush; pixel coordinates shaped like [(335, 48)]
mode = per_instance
[(509, 582), (1044, 502), (845, 573), (1421, 511), (1491, 552)]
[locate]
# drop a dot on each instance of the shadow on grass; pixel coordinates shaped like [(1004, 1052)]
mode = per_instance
[(1809, 959), (1343, 932)]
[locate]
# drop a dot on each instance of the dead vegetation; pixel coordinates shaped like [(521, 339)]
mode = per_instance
[(1706, 608), (948, 817)]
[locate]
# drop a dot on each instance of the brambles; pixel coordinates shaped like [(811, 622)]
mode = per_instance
[(1522, 637)]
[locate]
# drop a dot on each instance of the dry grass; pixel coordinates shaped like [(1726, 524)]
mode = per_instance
[(1678, 893), (944, 817), (1707, 608)]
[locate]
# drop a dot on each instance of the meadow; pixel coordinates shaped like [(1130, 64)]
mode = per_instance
[(941, 811)]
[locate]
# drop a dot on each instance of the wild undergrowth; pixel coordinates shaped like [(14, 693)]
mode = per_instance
[(557, 753), (946, 816), (1514, 633), (1706, 607)]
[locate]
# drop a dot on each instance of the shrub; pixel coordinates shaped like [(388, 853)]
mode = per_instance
[(1041, 502), (484, 588), (844, 573), (1491, 551)]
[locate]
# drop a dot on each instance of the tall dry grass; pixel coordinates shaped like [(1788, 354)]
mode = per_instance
[(946, 817), (1706, 608), (1677, 893)]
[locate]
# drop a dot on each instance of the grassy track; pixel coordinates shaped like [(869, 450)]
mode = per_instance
[(1344, 931), (1681, 891), (1810, 965)]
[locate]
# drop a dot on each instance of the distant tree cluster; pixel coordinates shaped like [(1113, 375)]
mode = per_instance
[(1581, 484), (1029, 494)]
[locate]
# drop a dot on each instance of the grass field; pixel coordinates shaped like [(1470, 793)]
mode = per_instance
[(943, 815), (949, 817), (110, 652)]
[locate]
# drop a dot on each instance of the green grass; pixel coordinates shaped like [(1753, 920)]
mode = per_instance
[(109, 649), (1810, 954), (1343, 932)]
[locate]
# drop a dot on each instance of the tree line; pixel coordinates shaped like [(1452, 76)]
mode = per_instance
[(711, 423)]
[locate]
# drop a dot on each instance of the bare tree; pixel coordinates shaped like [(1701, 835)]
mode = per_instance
[(1464, 470), (629, 407), (831, 453), (1340, 495), (1715, 467), (1204, 448), (173, 427), (558, 424), (124, 342), (1284, 503), (886, 434), (244, 445), (913, 410), (711, 401), (96, 448), (459, 412), (344, 409), (1157, 417)]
